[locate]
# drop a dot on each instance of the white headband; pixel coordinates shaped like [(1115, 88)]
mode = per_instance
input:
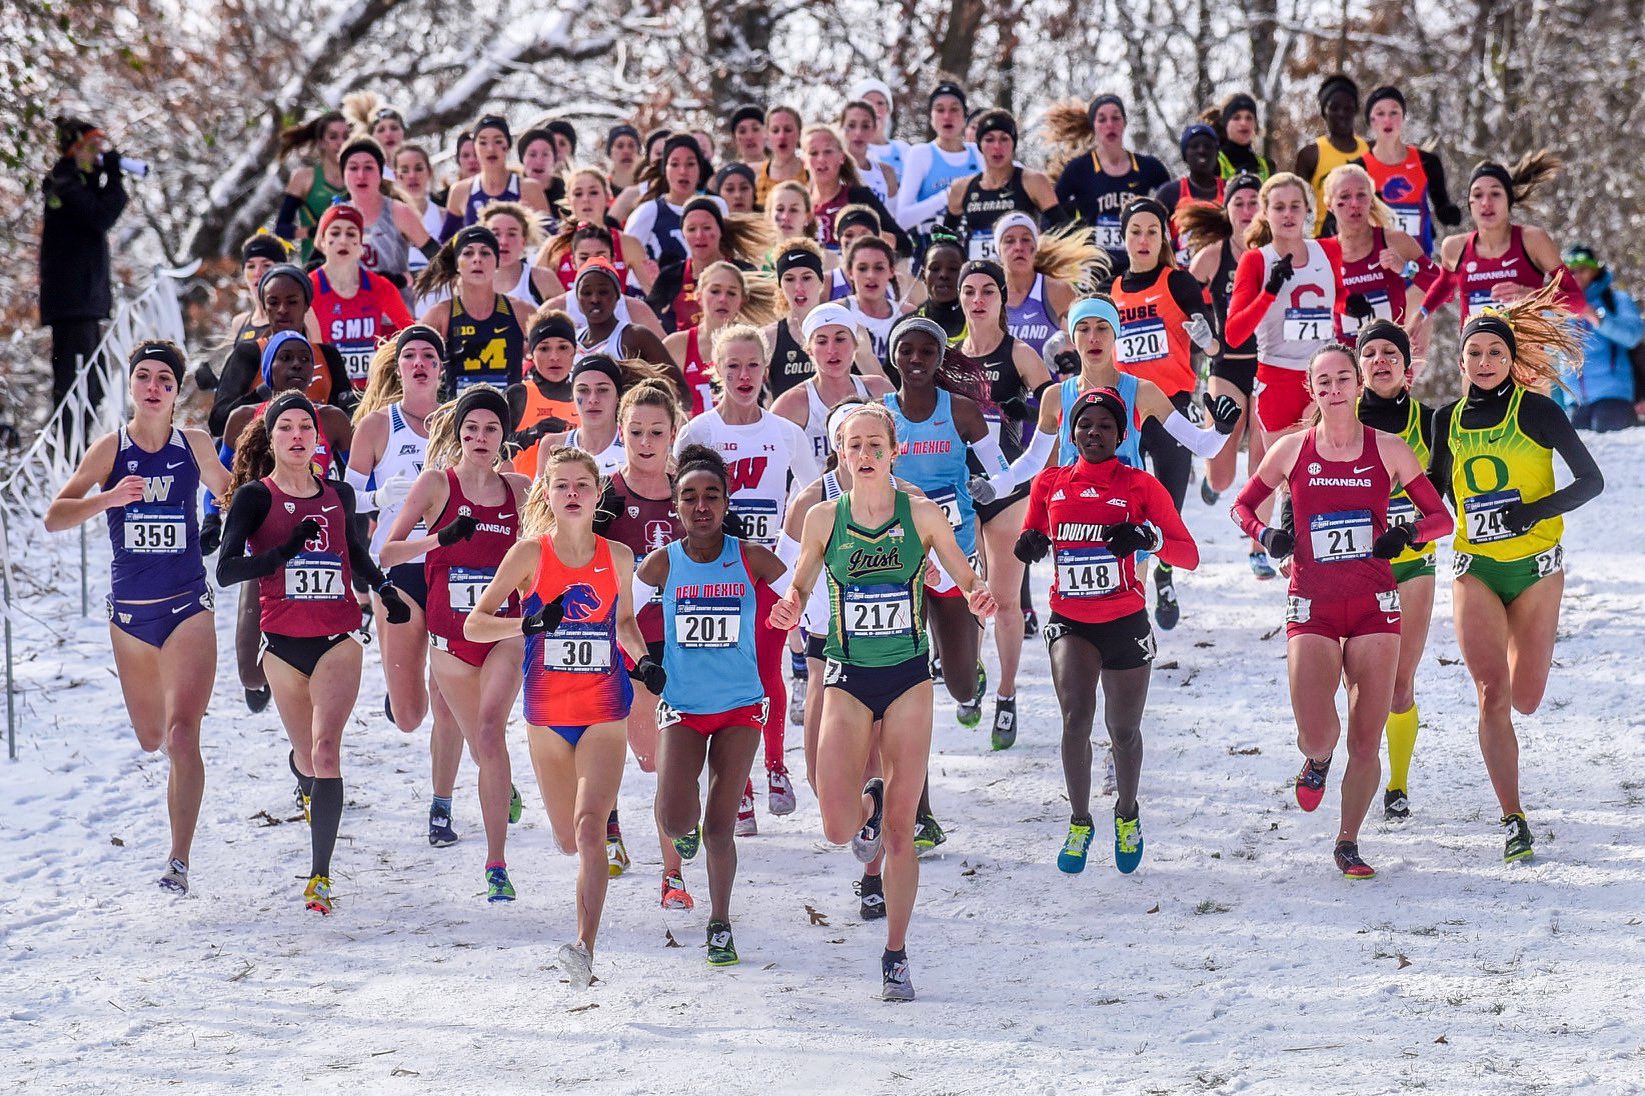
[(825, 315), (1013, 220), (862, 87)]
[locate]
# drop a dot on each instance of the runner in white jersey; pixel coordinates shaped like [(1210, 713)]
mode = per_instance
[(596, 386), (830, 337)]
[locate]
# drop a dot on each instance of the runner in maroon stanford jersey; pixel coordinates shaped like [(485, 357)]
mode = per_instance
[(1342, 615)]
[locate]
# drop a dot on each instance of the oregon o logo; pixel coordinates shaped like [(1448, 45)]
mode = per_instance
[(1497, 474)]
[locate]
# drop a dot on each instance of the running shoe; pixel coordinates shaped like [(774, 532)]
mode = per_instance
[(576, 964), (1349, 862), (1260, 566), (1005, 722), (516, 806), (674, 893), (871, 889), (779, 798), (616, 856), (1127, 844), (1072, 857), (865, 844), (317, 895), (257, 699), (1396, 806), (796, 701), (1208, 494), (895, 984), (746, 825), (1311, 783), (722, 951), (175, 878), (969, 713), (1030, 629), (927, 834), (688, 844), (440, 833), (498, 888), (1519, 838), (1166, 610)]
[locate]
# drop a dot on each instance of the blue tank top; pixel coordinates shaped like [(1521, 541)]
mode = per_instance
[(1030, 322), (931, 456), (478, 199), (942, 173), (1130, 450), (667, 239), (156, 540), (708, 632)]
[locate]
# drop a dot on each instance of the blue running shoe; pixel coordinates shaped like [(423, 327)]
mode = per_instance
[(1072, 857), (1127, 844)]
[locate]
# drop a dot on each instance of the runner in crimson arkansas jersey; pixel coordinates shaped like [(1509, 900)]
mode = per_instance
[(1093, 516), (1342, 616), (1375, 253)]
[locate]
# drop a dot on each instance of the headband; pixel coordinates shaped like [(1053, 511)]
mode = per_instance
[(1145, 205), (290, 400), (161, 352), (599, 264), (420, 332), (1197, 129), (1334, 84), (1490, 169), (1242, 181), (553, 327), (947, 87), (850, 218), (1377, 96), (599, 363), (1237, 102), (358, 145), (476, 234), (563, 128), (685, 140), (531, 136), (987, 267), (340, 211), (798, 258), (278, 339), (1101, 101), (1105, 398), (918, 325), (622, 129), (1579, 256), (826, 315), (286, 270), (493, 121), (749, 113), (1387, 330), (861, 88), (1014, 219), (264, 245), (843, 414), (1096, 307), (1492, 323), (481, 397), (706, 203), (996, 121), (733, 168)]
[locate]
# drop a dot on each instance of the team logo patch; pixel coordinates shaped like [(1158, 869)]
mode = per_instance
[(633, 512), (131, 466), (1471, 267), (464, 512), (1090, 493), (1313, 468), (581, 602), (291, 507), (1059, 496)]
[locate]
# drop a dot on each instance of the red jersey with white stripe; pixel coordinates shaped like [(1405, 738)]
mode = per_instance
[(309, 595), (699, 377), (1339, 507)]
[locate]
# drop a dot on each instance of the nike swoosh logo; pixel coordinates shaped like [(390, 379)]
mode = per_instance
[(1358, 471), (1391, 620), (327, 509), (179, 609), (599, 570), (500, 517), (169, 467), (733, 563)]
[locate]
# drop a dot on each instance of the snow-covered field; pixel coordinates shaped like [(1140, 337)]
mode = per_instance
[(1235, 959)]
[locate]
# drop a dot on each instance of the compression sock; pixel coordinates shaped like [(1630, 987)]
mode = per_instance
[(440, 804), (326, 813), (1402, 743)]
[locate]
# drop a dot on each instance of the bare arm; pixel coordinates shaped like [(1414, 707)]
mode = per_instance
[(71, 507)]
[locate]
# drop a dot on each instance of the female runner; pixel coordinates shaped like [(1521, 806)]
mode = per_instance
[(725, 296), (356, 307), (977, 202), (930, 168), (495, 181), (392, 228), (588, 198), (884, 147), (596, 303), (518, 234), (1040, 275), (836, 183), (714, 705), (414, 175), (671, 181), (313, 186), (461, 519), (733, 184), (262, 252), (873, 541), (576, 587), (1375, 254), (1094, 515), (829, 335), (1493, 452), (860, 126), (1235, 121), (940, 271), (1409, 179), (285, 293), (747, 128), (545, 402), (711, 236), (782, 142), (160, 621), (1096, 186), (1202, 184), (304, 552), (484, 330), (1338, 145), (788, 209), (1342, 617), (375, 119), (798, 265)]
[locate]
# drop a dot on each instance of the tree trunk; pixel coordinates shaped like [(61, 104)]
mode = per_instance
[(738, 36), (959, 39)]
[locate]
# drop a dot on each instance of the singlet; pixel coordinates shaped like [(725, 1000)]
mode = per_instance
[(611, 346), (1492, 467), (816, 421), (980, 207), (1299, 321), (685, 310), (156, 541), (1383, 290), (764, 183), (790, 365), (709, 618), (876, 588), (567, 270), (478, 199), (825, 212), (1404, 187), (355, 324), (941, 171), (537, 408), (574, 676), (644, 525), (665, 243), (889, 154), (609, 459), (319, 198), (762, 461), (1478, 273), (1222, 292), (1340, 508), (1401, 510), (839, 286), (877, 327), (999, 369), (1179, 196), (699, 377), (1130, 447), (1030, 322), (525, 289), (1089, 582), (931, 456), (1330, 158), (403, 455), (1152, 343), (489, 351), (457, 574), (309, 594), (386, 251), (874, 179)]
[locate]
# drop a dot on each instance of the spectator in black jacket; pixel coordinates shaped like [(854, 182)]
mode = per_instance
[(84, 197)]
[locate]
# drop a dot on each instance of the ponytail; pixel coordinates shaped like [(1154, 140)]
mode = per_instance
[(253, 458), (305, 134)]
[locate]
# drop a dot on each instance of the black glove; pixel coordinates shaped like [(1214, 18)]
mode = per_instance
[(545, 619), (1277, 543), (1128, 538), (306, 530), (539, 430), (1032, 546), (651, 675), (211, 533), (1358, 307), (1015, 408), (1394, 540), (1518, 517), (1278, 276), (205, 377), (732, 525), (1067, 363), (394, 606), (1225, 412), (111, 160), (461, 529), (1448, 215)]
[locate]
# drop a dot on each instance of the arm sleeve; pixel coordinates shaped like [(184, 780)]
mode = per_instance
[(1436, 520), (1428, 272), (342, 388), (803, 463), (285, 221), (994, 465), (1190, 296), (359, 482), (1439, 452), (1544, 423), (392, 304), (1244, 511), (1033, 458), (888, 220), (788, 552), (1571, 296), (1202, 443), (1177, 547), (239, 380), (359, 553), (1248, 303), (1443, 289), (910, 210), (1439, 197), (245, 516)]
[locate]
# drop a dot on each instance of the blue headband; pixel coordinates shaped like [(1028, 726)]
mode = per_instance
[(274, 343), (1093, 306)]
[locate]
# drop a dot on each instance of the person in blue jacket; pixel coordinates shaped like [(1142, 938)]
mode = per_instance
[(1603, 391)]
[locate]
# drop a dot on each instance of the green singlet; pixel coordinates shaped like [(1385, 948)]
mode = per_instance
[(876, 589)]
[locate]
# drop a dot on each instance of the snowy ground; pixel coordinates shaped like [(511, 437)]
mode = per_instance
[(1235, 959)]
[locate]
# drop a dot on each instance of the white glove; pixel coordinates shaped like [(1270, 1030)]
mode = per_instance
[(392, 493), (982, 492), (1199, 331)]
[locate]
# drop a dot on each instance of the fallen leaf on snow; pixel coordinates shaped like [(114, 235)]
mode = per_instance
[(816, 918), (1403, 962)]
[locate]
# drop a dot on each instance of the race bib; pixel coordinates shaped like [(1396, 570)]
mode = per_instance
[(1483, 515), (761, 521), (466, 584), (1401, 511), (948, 498), (1108, 235), (1087, 572), (1479, 300), (1408, 219), (578, 648), (1143, 341), (706, 623), (1307, 325), (314, 577), (357, 359), (878, 611), (1342, 536), (981, 246), (154, 530)]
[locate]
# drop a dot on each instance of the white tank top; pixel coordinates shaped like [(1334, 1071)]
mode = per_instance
[(402, 455), (879, 330), (763, 462), (1299, 321), (816, 421), (434, 219), (609, 459)]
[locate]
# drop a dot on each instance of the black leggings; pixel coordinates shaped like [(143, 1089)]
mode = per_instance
[(1076, 668), (1171, 462)]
